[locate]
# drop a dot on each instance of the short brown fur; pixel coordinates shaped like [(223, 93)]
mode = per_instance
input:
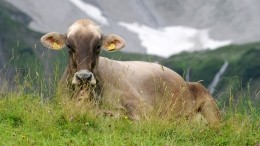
[(136, 87)]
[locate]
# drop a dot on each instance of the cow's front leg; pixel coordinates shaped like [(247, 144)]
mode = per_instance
[(131, 110), (127, 102), (135, 107)]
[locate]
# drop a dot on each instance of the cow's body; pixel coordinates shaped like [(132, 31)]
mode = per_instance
[(136, 87)]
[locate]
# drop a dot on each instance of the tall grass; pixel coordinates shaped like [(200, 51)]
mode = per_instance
[(26, 120), (27, 117)]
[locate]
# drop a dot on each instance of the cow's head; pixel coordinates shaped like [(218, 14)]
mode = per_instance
[(84, 41)]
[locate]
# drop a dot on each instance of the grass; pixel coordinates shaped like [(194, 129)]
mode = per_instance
[(27, 119)]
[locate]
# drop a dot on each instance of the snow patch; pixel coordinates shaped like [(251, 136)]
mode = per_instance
[(174, 39), (91, 11)]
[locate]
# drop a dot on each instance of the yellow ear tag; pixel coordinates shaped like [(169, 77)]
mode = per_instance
[(56, 46), (111, 47)]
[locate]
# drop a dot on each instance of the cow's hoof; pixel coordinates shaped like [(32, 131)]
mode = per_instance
[(111, 114), (134, 117)]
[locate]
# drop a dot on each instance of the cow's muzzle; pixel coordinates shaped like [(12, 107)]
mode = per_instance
[(84, 77)]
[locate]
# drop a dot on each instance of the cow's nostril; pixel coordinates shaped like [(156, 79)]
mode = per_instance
[(77, 76), (88, 77)]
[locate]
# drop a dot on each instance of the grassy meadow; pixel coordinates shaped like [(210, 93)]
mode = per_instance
[(31, 115)]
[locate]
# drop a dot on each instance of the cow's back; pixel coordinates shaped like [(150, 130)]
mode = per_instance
[(152, 84)]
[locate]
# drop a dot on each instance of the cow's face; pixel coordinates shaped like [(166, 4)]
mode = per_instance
[(84, 41)]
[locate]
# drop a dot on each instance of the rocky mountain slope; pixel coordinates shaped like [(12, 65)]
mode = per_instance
[(196, 24)]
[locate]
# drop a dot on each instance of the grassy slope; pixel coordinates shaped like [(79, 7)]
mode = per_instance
[(205, 64), (19, 44), (26, 120)]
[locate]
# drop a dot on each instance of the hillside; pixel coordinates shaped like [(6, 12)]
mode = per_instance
[(17, 43), (243, 70)]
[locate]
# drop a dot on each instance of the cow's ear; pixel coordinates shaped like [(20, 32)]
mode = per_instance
[(113, 42), (54, 40)]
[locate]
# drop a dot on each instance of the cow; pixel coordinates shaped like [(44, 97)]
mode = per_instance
[(135, 87)]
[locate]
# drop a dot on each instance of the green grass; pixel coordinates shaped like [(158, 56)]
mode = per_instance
[(26, 119)]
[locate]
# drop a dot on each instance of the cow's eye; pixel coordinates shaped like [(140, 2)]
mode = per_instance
[(70, 48), (98, 49)]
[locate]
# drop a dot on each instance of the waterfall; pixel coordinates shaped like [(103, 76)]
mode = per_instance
[(217, 77), (187, 75), (1, 53)]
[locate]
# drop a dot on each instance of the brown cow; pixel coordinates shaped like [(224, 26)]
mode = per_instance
[(134, 86)]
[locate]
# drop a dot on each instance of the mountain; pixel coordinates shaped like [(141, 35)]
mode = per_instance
[(162, 27)]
